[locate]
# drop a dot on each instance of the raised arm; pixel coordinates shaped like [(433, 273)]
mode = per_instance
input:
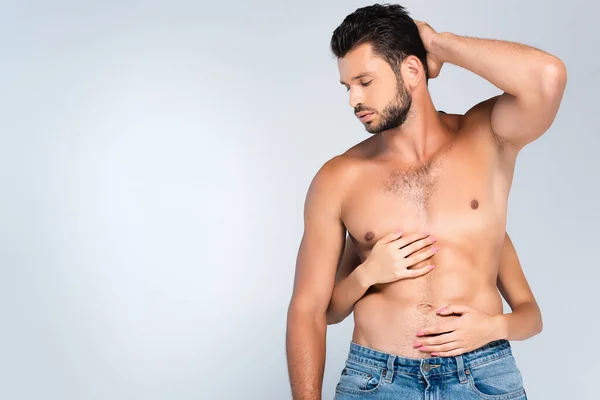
[(532, 80), (318, 256)]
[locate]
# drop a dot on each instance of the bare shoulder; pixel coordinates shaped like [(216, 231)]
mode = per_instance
[(478, 116), (477, 122), (345, 166), (484, 106), (334, 177)]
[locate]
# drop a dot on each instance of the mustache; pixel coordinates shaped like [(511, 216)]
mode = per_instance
[(361, 109)]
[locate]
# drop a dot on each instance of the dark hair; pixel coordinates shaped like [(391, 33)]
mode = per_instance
[(387, 27)]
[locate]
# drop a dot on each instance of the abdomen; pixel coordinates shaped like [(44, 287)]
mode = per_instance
[(388, 317)]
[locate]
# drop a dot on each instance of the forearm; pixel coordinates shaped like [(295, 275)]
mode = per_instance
[(305, 345), (514, 68), (345, 294), (522, 323)]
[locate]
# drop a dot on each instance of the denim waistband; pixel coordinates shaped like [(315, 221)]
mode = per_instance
[(431, 365)]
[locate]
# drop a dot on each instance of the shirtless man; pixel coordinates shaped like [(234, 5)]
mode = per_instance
[(421, 171)]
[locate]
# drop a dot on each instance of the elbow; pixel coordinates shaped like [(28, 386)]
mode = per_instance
[(537, 325), (553, 79), (332, 319), (540, 325), (330, 316), (537, 329), (302, 312)]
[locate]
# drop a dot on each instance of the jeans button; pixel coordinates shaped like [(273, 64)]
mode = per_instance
[(426, 367)]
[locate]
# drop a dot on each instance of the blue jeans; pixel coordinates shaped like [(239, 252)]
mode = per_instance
[(489, 372)]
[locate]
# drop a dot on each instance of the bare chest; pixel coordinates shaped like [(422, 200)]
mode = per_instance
[(457, 195)]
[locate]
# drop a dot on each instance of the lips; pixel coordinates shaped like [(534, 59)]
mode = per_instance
[(364, 116)]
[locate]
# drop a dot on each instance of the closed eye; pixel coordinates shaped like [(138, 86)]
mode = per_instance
[(362, 84)]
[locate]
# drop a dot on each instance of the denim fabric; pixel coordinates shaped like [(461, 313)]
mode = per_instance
[(489, 372)]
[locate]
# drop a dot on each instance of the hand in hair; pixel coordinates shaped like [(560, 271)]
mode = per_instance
[(428, 36)]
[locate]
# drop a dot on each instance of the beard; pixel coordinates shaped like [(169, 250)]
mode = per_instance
[(395, 113)]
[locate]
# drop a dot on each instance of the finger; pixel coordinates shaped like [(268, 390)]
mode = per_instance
[(390, 237), (452, 353), (415, 273), (453, 309), (436, 340), (417, 245), (405, 240), (424, 255), (441, 348), (439, 329)]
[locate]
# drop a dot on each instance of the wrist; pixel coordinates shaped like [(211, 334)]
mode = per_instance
[(439, 44), (362, 276), (501, 327)]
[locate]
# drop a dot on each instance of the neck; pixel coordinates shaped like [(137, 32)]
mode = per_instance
[(420, 136)]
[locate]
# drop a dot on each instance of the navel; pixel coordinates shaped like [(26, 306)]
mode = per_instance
[(369, 236), (425, 307), (474, 204)]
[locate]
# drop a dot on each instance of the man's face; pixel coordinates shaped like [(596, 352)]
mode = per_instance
[(378, 97)]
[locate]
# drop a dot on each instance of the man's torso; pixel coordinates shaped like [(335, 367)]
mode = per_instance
[(459, 195)]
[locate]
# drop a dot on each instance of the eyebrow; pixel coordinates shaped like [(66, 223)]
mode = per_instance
[(364, 74)]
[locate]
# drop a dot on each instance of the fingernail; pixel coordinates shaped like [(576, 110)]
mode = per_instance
[(434, 354), (420, 333), (435, 250), (431, 266), (423, 348), (426, 233), (398, 230), (441, 309)]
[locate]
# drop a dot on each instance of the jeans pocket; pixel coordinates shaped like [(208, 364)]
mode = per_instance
[(499, 379), (357, 378)]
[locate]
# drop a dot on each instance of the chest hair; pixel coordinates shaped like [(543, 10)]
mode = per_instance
[(414, 185)]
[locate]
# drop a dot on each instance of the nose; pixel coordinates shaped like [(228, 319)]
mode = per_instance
[(356, 97)]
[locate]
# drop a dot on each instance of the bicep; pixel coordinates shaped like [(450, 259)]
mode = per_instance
[(522, 119), (320, 249), (512, 282)]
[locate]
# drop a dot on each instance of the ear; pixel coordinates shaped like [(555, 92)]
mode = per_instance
[(413, 71)]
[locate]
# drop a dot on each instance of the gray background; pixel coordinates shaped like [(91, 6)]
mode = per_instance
[(154, 162)]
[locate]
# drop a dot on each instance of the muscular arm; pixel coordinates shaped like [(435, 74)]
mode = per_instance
[(525, 320), (318, 256), (533, 82)]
